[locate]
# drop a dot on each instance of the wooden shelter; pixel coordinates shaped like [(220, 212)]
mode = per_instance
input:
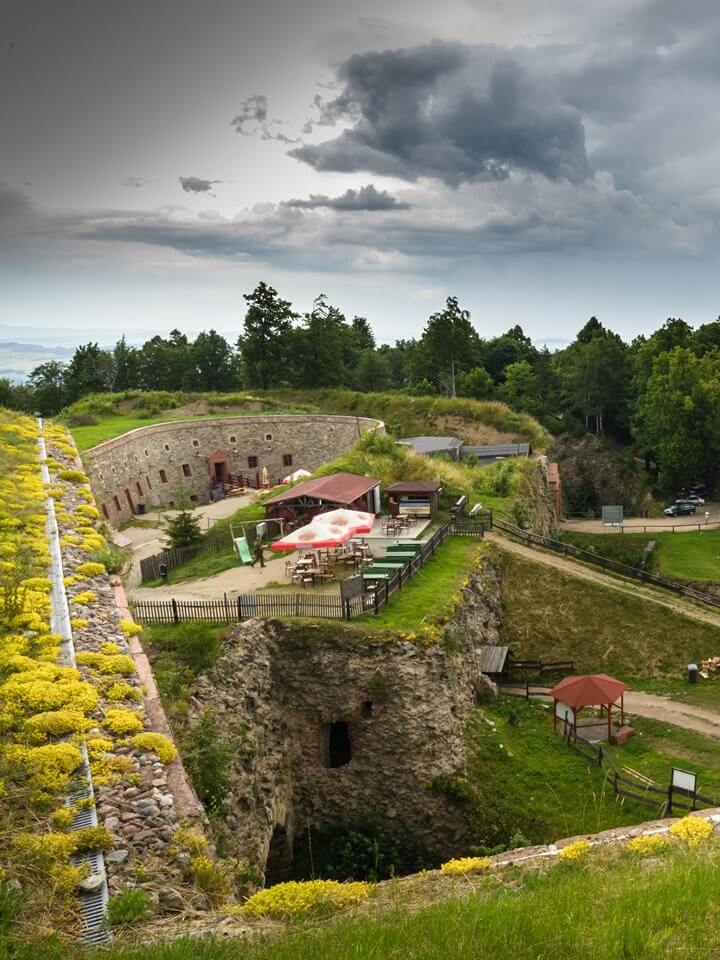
[(320, 494), (416, 498), (571, 694)]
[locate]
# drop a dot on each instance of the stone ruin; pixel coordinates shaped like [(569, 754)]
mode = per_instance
[(331, 723)]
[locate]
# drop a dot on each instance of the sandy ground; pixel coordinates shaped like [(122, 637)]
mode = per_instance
[(576, 569), (657, 524), (145, 541)]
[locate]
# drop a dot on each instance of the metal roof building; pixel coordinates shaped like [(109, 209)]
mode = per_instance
[(432, 446), (495, 451)]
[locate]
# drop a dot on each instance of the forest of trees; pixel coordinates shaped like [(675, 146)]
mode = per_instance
[(661, 391)]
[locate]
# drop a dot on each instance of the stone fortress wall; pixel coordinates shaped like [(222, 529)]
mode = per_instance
[(158, 464)]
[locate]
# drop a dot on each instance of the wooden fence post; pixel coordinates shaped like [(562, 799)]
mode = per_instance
[(175, 610)]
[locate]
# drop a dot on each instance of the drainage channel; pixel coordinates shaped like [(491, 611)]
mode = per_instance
[(94, 901)]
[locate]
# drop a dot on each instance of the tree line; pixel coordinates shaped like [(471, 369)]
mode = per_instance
[(661, 391)]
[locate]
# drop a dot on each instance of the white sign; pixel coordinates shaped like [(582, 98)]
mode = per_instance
[(563, 711), (684, 780)]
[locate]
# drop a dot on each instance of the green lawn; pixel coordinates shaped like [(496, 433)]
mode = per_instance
[(680, 556), (522, 777), (116, 424), (430, 589), (551, 616)]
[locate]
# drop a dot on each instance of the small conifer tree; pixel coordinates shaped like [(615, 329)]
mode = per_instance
[(183, 530)]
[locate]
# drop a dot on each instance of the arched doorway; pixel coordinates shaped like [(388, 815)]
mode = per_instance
[(219, 467)]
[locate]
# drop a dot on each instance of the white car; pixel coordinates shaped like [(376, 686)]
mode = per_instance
[(696, 499)]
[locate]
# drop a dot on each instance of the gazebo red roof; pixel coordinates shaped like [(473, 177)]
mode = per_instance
[(588, 691)]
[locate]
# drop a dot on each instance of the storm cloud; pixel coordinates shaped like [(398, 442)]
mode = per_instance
[(451, 112), (197, 184), (366, 198)]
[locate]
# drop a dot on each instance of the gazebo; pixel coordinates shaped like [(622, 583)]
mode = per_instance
[(594, 690)]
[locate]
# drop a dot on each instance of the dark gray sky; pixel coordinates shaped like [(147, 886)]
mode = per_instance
[(542, 161)]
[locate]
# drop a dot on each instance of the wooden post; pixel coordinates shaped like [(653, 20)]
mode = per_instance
[(175, 610)]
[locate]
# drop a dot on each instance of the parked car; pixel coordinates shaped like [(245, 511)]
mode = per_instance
[(680, 509), (696, 499)]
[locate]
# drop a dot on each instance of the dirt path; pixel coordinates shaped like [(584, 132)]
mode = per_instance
[(579, 570), (673, 711)]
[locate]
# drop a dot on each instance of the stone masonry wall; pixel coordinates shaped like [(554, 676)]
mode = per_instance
[(153, 465), (277, 689)]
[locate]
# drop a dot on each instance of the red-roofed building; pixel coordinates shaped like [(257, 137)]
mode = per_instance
[(319, 494)]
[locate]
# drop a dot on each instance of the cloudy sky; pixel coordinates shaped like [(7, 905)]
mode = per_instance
[(542, 161)]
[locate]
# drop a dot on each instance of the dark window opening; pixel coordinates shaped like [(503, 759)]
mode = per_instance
[(196, 443), (252, 462), (117, 503), (287, 459), (138, 488), (187, 472), (105, 511), (279, 866), (194, 498), (172, 503), (163, 476), (167, 446), (147, 454), (129, 500), (268, 436), (233, 439), (366, 709), (339, 749), (147, 481)]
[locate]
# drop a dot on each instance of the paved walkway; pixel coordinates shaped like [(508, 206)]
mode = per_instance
[(576, 569), (687, 524)]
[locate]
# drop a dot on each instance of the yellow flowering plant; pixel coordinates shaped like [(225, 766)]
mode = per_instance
[(648, 845), (575, 850), (464, 865), (692, 830), (311, 896)]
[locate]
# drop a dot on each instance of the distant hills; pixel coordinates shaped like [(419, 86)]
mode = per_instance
[(18, 359)]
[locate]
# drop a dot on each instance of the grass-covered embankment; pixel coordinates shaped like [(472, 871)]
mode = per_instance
[(522, 778), (100, 417), (692, 556), (553, 616), (611, 903)]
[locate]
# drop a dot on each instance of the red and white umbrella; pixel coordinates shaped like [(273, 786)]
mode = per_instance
[(330, 529)]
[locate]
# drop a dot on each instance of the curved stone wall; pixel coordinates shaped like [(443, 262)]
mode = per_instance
[(155, 465)]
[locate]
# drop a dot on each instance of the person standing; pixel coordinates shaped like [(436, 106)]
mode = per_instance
[(258, 554)]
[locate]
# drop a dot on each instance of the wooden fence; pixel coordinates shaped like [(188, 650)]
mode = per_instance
[(666, 801), (150, 566), (312, 605), (623, 569)]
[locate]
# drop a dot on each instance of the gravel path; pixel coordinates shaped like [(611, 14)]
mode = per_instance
[(575, 569)]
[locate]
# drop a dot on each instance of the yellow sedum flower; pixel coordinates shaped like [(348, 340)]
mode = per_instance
[(130, 628), (122, 722), (574, 851), (648, 845), (294, 898), (156, 743), (466, 865), (692, 830), (84, 597)]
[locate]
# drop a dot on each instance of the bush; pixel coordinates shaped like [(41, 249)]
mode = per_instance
[(127, 906), (196, 646), (207, 760), (312, 896), (112, 558)]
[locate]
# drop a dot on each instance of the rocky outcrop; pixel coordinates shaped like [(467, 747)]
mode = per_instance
[(330, 723)]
